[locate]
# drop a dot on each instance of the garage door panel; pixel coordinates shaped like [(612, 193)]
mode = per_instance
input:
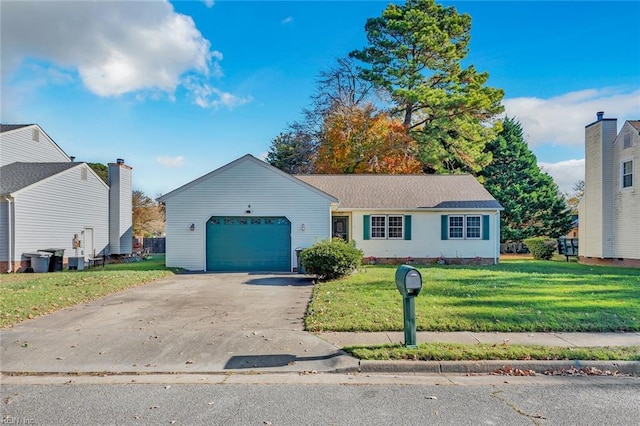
[(248, 244)]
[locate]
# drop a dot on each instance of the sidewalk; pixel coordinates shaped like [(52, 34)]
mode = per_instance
[(543, 339)]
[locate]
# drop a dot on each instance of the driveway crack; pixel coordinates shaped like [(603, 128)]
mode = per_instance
[(497, 394)]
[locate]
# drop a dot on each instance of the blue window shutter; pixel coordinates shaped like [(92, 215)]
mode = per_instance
[(485, 226), (407, 227), (444, 228), (366, 226)]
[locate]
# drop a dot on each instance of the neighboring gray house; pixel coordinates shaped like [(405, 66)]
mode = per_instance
[(609, 211), (49, 201), (250, 216)]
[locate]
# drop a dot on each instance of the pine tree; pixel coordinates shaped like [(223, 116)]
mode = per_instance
[(530, 197)]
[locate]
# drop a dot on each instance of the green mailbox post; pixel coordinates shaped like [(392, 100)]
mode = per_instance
[(409, 283)]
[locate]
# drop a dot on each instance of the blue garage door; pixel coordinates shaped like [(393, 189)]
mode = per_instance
[(245, 244)]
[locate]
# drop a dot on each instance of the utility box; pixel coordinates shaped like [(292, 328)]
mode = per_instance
[(76, 263), (408, 281), (299, 260)]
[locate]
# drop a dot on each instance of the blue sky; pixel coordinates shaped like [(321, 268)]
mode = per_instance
[(181, 88)]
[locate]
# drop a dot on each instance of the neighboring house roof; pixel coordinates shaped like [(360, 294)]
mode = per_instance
[(17, 176), (393, 192), (635, 124), (9, 127)]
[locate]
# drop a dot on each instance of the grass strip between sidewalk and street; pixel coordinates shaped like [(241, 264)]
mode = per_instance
[(482, 351), (25, 296), (514, 296)]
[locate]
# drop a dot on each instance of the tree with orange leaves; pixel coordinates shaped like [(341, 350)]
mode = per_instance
[(362, 140)]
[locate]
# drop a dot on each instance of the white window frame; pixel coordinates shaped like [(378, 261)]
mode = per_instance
[(377, 227), (462, 227), (385, 230), (623, 174), (465, 227)]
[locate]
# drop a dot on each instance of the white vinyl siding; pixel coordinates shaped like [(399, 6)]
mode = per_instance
[(610, 210), (50, 213), (19, 145), (120, 209), (230, 192), (425, 239)]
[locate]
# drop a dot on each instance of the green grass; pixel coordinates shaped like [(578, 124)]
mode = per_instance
[(25, 296), (514, 296), (460, 352)]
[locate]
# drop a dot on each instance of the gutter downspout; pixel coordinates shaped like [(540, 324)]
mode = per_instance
[(496, 245), (9, 235)]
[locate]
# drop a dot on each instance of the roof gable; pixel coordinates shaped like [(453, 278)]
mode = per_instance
[(253, 160), (407, 192)]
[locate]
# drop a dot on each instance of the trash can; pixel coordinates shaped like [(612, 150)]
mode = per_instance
[(39, 261), (55, 262), (299, 260)]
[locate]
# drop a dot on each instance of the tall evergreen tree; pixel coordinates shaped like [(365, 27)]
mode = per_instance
[(414, 54), (530, 197)]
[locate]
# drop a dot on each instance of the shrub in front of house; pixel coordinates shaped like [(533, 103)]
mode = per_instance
[(542, 248), (331, 259)]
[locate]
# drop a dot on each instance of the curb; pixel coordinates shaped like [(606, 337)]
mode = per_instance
[(486, 367)]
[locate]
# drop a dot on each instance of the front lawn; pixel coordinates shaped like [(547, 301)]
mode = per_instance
[(514, 296), (24, 296)]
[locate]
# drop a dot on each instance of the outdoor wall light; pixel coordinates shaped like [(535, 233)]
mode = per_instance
[(302, 228), (248, 211), (192, 227)]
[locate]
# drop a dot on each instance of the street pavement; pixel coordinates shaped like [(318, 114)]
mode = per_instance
[(236, 323)]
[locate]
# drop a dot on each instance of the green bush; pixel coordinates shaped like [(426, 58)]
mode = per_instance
[(331, 259), (542, 248)]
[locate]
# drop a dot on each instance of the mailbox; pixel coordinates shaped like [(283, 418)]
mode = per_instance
[(408, 281)]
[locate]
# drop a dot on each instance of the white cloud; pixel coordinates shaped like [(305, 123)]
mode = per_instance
[(171, 162), (561, 119), (116, 47), (209, 3), (287, 20), (565, 173), (207, 96)]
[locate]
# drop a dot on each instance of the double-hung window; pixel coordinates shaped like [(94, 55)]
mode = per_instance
[(387, 227), (627, 174), (465, 227)]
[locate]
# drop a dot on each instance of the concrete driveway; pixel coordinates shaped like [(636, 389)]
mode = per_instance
[(199, 323)]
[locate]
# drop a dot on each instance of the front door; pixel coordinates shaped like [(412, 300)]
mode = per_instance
[(341, 227)]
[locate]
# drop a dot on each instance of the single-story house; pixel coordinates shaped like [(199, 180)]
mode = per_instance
[(50, 201), (250, 216)]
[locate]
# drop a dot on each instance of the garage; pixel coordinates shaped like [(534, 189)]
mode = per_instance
[(245, 244)]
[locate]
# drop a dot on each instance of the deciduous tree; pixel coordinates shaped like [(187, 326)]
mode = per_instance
[(361, 140), (148, 216)]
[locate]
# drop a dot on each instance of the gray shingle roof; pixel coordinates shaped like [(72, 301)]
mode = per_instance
[(404, 191), (15, 176), (9, 127)]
